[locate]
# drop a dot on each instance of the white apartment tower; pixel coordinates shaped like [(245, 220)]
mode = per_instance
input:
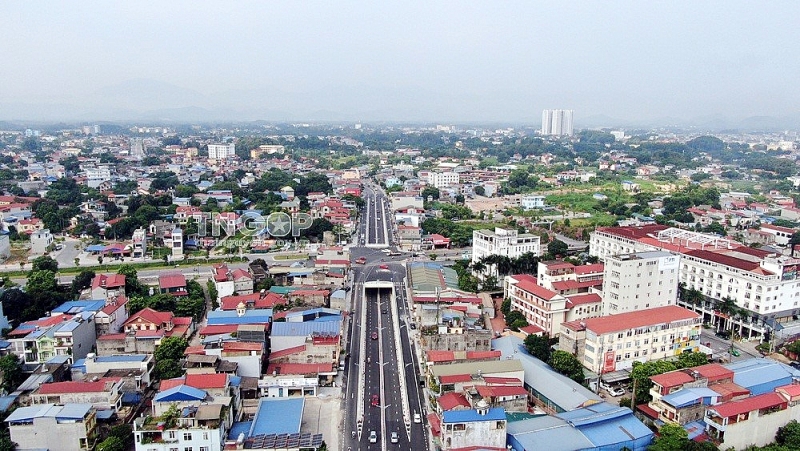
[(507, 242), (221, 151), (443, 179), (557, 122), (641, 280)]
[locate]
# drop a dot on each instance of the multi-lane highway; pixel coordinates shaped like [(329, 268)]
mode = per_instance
[(382, 393)]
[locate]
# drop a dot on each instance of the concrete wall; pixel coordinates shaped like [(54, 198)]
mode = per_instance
[(46, 433)]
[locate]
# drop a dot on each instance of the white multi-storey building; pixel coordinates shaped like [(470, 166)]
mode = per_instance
[(532, 201), (443, 179), (557, 122), (139, 242), (221, 151), (763, 285), (505, 242), (640, 281), (68, 427), (614, 342)]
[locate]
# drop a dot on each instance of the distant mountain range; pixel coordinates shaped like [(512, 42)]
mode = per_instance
[(156, 101)]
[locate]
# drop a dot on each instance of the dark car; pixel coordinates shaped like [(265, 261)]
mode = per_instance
[(374, 335)]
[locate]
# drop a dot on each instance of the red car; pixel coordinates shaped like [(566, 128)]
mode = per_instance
[(361, 260), (386, 267), (376, 401), (374, 335)]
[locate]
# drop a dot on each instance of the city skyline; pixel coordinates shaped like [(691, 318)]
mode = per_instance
[(720, 64)]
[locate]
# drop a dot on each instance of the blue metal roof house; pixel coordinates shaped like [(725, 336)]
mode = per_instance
[(180, 393), (600, 427), (761, 375), (315, 314)]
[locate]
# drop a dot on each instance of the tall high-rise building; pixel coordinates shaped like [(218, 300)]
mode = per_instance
[(137, 147), (557, 122)]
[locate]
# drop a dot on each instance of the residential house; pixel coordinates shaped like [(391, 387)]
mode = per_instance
[(69, 427), (108, 287), (483, 428), (41, 240), (112, 316), (173, 283), (102, 394), (29, 225)]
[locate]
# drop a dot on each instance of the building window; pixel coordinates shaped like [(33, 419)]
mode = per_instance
[(187, 436)]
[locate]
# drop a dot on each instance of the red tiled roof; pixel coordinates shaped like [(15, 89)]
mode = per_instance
[(268, 300), (713, 371), (440, 356), (436, 426), (173, 280), (120, 336), (672, 379), (454, 378), (111, 308), (195, 350), (149, 333), (589, 269), (233, 346), (634, 233), (565, 285), (495, 380), (583, 299), (723, 259), (204, 381), (647, 410), (218, 329), (729, 390), (532, 329), (521, 277), (288, 351), (452, 400), (56, 388), (240, 273), (447, 299), (170, 383), (552, 265), (778, 228), (300, 368), (732, 408), (151, 316), (110, 281), (488, 390), (536, 290), (182, 320), (793, 390), (309, 293), (639, 318)]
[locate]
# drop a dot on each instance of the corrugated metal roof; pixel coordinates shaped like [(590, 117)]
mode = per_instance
[(689, 396), (121, 358), (761, 375), (278, 416), (471, 416), (288, 329), (606, 425), (73, 411), (180, 393), (547, 432), (559, 389)]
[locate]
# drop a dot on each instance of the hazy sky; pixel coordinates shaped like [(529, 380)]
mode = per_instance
[(405, 60)]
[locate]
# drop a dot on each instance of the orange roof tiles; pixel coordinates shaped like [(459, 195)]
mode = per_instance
[(639, 318)]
